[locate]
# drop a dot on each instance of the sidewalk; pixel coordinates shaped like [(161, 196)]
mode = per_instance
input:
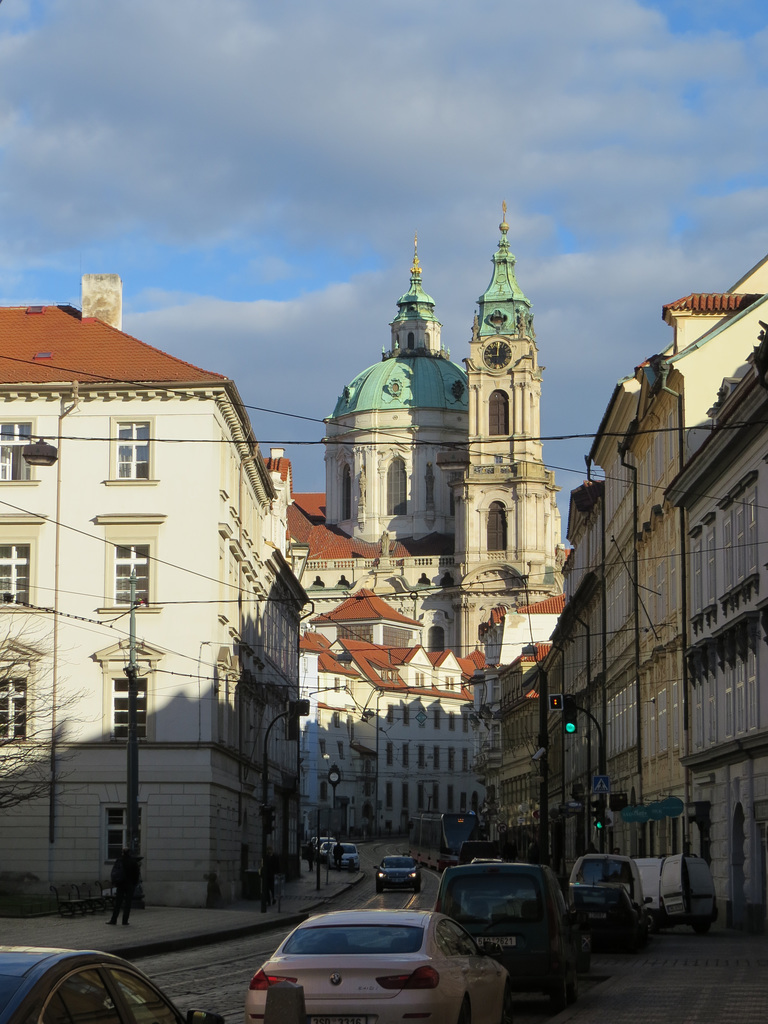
[(162, 929)]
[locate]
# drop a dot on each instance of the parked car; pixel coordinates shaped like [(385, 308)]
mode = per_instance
[(324, 850), (517, 913), (398, 873), (383, 965), (613, 919), (73, 985), (614, 869), (681, 891), (350, 858)]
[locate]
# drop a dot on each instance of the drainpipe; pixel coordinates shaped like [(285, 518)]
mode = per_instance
[(639, 709)]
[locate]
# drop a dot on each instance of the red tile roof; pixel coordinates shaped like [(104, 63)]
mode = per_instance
[(710, 302), (281, 466), (312, 505), (549, 606), (364, 606), (329, 542), (57, 346)]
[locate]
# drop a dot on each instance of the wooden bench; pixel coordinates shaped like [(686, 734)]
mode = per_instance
[(72, 900)]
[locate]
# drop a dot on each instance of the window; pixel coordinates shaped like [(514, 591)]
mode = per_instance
[(120, 709), (406, 756), (133, 451), (451, 759), (436, 717), (388, 795), (497, 527), (390, 713), (464, 722), (13, 437), (147, 1006), (498, 414), (396, 488), (420, 796), (324, 790), (346, 493), (390, 754), (406, 715), (321, 744), (436, 757), (14, 573), (336, 719), (421, 760), (13, 709), (117, 831), (465, 760), (128, 559), (405, 795), (451, 722), (435, 795), (340, 746), (449, 798), (436, 638), (81, 997)]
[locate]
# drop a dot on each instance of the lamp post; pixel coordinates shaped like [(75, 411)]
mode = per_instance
[(543, 685), (267, 812)]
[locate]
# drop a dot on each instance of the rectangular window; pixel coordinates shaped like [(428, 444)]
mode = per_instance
[(336, 719), (13, 709), (462, 801), (751, 690), (421, 760), (729, 678), (120, 709), (116, 832), (14, 573), (740, 696), (465, 723), (436, 757), (698, 589), (451, 759), (405, 755), (388, 796), (405, 795), (340, 746), (449, 798), (128, 559), (406, 715), (390, 754), (435, 796), (465, 760), (451, 721), (663, 725), (436, 718), (324, 790), (13, 437), (390, 713), (133, 451), (420, 796), (728, 563), (321, 744)]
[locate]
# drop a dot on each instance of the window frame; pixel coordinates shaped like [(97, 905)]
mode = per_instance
[(134, 443), (11, 445)]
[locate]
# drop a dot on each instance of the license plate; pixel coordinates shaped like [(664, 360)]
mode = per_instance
[(500, 940), (337, 1020), (594, 916)]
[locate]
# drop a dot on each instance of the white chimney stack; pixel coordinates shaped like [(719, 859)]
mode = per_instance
[(102, 297)]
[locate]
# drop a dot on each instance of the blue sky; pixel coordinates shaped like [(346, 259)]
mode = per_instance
[(255, 173)]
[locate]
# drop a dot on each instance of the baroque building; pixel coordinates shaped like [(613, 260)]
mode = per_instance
[(437, 496)]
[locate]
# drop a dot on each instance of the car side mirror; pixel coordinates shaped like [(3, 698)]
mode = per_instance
[(490, 948)]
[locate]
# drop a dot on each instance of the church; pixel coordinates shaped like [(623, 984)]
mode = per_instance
[(437, 497)]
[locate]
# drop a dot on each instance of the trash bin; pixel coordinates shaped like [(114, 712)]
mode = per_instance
[(252, 884)]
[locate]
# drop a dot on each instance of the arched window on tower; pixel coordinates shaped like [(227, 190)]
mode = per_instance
[(498, 414), (396, 488), (497, 527), (436, 638), (411, 340), (346, 493)]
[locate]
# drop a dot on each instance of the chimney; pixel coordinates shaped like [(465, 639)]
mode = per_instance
[(102, 297)]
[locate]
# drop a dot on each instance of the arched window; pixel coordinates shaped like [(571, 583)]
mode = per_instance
[(396, 488), (497, 527), (436, 638), (346, 493), (410, 339), (498, 414)]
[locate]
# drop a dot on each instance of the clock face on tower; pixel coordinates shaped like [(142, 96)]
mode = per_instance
[(497, 354)]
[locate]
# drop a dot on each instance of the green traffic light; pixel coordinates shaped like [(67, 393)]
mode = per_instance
[(570, 727), (599, 823)]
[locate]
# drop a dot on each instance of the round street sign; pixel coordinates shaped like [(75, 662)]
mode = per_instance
[(673, 806), (501, 827), (655, 811)]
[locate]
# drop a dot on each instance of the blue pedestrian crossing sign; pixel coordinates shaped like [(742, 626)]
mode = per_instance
[(601, 785)]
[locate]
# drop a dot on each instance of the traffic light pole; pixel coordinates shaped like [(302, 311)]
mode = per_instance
[(266, 812)]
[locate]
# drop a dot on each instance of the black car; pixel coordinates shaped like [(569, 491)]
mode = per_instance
[(60, 985), (611, 916), (398, 873)]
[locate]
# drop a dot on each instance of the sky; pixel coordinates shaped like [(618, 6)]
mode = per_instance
[(255, 173)]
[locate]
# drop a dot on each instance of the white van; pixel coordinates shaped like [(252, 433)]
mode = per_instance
[(681, 891)]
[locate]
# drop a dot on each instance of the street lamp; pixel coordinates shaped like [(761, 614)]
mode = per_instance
[(40, 453)]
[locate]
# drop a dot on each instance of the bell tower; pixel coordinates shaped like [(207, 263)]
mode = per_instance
[(508, 523)]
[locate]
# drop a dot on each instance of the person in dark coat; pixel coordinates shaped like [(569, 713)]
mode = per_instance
[(125, 877), (338, 853)]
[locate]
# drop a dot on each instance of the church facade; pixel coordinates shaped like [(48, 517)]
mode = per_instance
[(437, 496)]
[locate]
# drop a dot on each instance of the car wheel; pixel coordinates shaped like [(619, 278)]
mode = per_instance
[(506, 1006), (465, 1013), (572, 988), (379, 888), (702, 927), (417, 887), (558, 997)]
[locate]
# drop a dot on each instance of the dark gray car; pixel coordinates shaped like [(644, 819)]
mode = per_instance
[(398, 873)]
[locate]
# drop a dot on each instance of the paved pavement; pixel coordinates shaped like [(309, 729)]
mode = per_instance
[(159, 929)]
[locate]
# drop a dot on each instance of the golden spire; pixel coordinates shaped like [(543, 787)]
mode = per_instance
[(504, 226), (415, 268)]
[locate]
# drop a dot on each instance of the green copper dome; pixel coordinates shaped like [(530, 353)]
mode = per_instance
[(418, 380)]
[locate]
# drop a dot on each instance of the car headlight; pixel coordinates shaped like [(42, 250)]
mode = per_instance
[(412, 874), (380, 874)]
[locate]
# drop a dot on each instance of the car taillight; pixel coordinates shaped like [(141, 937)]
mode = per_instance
[(260, 982), (422, 977)]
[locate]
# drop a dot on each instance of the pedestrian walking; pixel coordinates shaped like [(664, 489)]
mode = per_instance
[(125, 877), (268, 871), (309, 854), (338, 853)]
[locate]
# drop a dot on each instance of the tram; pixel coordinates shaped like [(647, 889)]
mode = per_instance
[(435, 839)]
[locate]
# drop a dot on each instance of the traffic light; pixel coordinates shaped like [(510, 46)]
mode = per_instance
[(570, 713), (555, 702), (267, 813), (598, 814), (296, 709)]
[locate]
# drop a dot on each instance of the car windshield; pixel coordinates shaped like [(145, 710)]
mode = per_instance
[(492, 898), (605, 869), (398, 862), (360, 939), (349, 848)]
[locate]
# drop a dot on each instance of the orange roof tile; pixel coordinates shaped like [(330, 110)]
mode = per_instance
[(281, 466), (549, 606), (364, 606), (710, 302), (56, 346), (312, 504)]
